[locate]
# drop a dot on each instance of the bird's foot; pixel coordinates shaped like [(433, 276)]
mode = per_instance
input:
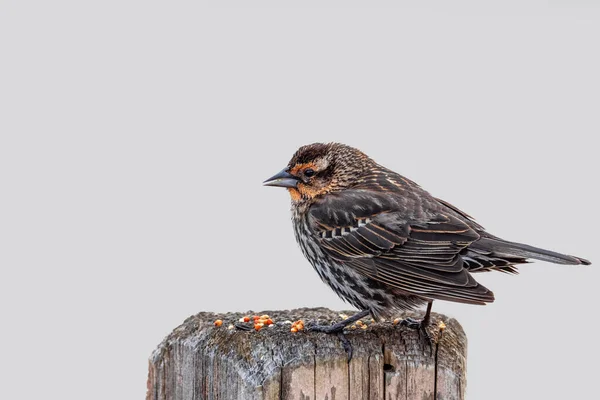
[(412, 323), (330, 329), (338, 329), (421, 326), (335, 329)]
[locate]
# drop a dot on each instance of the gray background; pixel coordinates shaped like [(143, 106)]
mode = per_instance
[(135, 137)]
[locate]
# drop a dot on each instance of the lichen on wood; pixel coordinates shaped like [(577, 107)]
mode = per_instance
[(199, 360)]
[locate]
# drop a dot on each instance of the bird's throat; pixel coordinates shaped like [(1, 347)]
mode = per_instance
[(295, 194)]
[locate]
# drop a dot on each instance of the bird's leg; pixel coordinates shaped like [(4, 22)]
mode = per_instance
[(422, 324), (417, 324), (338, 329)]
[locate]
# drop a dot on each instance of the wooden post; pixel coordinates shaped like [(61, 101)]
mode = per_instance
[(201, 361)]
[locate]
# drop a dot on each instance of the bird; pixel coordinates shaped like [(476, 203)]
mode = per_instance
[(384, 244)]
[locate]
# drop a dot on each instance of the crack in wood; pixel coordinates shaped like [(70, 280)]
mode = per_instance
[(435, 371)]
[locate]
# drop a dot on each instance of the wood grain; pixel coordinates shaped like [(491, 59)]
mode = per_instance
[(199, 361)]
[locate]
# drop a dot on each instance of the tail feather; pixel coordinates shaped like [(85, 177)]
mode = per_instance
[(503, 248)]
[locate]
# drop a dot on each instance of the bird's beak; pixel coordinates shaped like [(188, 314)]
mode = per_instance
[(282, 179)]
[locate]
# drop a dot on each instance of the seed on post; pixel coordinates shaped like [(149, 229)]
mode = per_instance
[(297, 326)]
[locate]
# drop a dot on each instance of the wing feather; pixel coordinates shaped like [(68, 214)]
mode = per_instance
[(418, 257)]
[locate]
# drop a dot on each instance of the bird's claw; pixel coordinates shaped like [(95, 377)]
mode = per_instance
[(337, 329), (421, 327), (346, 344)]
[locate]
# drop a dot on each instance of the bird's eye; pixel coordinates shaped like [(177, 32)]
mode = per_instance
[(309, 172)]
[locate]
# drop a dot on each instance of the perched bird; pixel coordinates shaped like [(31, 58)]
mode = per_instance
[(384, 244)]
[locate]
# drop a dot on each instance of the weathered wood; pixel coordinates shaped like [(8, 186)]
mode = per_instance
[(201, 361)]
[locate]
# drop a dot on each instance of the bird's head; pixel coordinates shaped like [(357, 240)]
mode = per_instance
[(319, 168)]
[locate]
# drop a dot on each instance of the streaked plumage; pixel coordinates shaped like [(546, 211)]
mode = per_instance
[(384, 244)]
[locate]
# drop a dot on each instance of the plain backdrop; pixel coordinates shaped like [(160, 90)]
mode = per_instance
[(135, 137)]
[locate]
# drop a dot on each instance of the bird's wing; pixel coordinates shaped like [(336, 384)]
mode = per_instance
[(418, 253)]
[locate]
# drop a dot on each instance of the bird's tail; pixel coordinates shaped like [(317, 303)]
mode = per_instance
[(504, 248)]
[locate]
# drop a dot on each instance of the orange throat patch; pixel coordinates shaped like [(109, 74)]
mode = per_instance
[(306, 192), (295, 194)]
